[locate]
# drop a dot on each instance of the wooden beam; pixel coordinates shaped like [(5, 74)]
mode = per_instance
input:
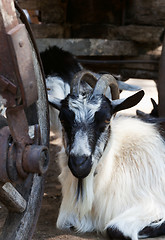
[(143, 66), (53, 11), (51, 30), (140, 34), (11, 198), (30, 4), (137, 33), (148, 12), (142, 62), (141, 74), (91, 47)]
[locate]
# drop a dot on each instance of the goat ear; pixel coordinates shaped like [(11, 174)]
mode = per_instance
[(121, 104), (54, 102)]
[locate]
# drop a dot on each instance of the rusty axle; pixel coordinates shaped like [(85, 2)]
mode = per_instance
[(33, 158)]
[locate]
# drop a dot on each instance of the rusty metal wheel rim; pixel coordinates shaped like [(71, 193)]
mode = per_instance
[(20, 226)]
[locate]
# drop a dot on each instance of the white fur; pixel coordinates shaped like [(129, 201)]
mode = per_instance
[(57, 87), (3, 101), (83, 108), (60, 89), (84, 147), (125, 189)]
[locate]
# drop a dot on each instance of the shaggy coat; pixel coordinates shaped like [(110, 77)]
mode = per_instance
[(122, 192), (125, 190)]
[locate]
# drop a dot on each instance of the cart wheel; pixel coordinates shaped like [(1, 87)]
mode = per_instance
[(21, 225)]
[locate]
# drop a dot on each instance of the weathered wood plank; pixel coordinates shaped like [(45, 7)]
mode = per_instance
[(11, 198), (51, 30), (142, 62), (141, 34), (91, 47), (30, 4), (53, 11), (137, 33), (148, 12), (89, 11), (141, 66), (141, 74)]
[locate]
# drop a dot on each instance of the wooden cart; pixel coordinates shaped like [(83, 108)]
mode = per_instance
[(24, 153)]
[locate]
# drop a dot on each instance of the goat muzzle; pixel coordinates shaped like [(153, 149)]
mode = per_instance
[(80, 166)]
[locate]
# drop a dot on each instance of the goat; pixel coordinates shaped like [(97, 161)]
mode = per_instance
[(60, 67), (112, 167)]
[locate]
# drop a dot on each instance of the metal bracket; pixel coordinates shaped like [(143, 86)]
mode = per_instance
[(22, 55), (6, 85)]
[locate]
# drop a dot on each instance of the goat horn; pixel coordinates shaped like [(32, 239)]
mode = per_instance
[(84, 75), (102, 84)]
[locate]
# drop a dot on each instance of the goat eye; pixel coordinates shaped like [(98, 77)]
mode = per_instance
[(107, 121)]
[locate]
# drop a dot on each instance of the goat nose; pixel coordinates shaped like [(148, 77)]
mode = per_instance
[(80, 166)]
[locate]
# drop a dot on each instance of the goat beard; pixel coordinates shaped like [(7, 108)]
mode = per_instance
[(80, 189)]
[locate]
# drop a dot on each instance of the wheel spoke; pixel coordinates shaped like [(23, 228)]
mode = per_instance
[(12, 199)]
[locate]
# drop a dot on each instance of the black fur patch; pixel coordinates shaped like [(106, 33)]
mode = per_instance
[(115, 233), (152, 232), (80, 189), (67, 120), (3, 121), (59, 62)]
